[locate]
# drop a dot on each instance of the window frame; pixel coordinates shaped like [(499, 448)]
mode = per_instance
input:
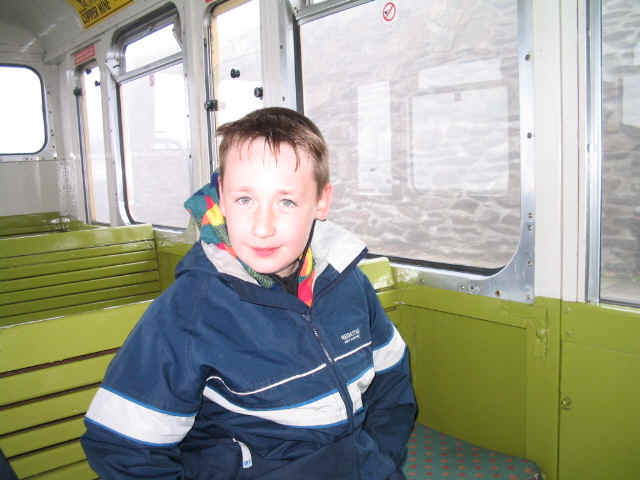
[(594, 150), (515, 280), (594, 128), (144, 26), (47, 149), (80, 98), (210, 104)]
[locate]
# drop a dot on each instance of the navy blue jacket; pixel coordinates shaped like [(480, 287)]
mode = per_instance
[(223, 379)]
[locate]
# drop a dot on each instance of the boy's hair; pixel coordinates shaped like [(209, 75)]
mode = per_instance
[(278, 125)]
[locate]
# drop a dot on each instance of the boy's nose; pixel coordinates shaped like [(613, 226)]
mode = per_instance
[(263, 223)]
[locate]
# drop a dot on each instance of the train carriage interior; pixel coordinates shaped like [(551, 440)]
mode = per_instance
[(486, 151)]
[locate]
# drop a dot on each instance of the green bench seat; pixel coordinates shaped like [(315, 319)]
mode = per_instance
[(54, 274), (68, 299), (435, 455), (49, 372)]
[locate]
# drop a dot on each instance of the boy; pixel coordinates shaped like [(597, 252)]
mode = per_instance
[(270, 356)]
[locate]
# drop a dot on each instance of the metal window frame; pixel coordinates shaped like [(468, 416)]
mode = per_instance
[(47, 150), (515, 281), (210, 94), (119, 76), (80, 99), (279, 54), (595, 129), (594, 150)]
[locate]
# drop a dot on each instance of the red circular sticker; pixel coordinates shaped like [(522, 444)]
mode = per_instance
[(389, 11)]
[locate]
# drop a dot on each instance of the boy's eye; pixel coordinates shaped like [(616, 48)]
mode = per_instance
[(286, 202), (243, 200)]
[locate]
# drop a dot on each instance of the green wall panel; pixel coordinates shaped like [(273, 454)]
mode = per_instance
[(486, 370), (169, 255), (471, 379), (600, 430), (600, 424)]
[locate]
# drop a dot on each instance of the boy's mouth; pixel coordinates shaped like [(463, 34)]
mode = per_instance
[(264, 252)]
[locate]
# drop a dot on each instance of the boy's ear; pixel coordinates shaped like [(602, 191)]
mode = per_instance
[(324, 202)]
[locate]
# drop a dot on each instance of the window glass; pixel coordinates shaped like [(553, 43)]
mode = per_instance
[(422, 123), (236, 59), (94, 146), (22, 120), (156, 147), (151, 48), (620, 254)]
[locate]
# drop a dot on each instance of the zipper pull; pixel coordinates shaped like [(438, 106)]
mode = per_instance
[(324, 349), (247, 462)]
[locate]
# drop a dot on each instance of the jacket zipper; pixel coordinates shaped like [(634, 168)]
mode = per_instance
[(344, 394)]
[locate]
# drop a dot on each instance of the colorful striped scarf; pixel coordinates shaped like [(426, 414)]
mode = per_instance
[(203, 206)]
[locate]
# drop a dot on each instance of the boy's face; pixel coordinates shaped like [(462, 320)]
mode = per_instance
[(270, 206)]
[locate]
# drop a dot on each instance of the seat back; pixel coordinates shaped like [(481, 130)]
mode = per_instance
[(53, 274), (49, 372)]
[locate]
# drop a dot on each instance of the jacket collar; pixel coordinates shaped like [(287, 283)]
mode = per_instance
[(331, 245), (335, 249)]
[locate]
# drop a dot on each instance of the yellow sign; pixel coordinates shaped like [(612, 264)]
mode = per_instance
[(94, 11)]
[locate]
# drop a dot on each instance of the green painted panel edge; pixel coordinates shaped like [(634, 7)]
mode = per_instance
[(50, 268), (29, 218), (77, 309), (474, 306), (378, 271), (543, 386), (28, 465), (169, 255), (582, 323), (10, 247), (72, 288), (37, 229), (43, 219), (35, 439), (46, 410), (76, 471), (54, 379), (78, 299), (67, 255), (65, 337), (77, 276)]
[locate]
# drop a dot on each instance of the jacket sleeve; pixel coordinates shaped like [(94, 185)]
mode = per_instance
[(149, 397), (390, 399)]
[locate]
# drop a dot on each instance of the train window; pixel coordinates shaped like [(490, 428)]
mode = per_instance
[(423, 123), (615, 119), (236, 62), (155, 46), (93, 138), (154, 123), (22, 121)]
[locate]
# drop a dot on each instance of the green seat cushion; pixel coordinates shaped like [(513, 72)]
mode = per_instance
[(434, 455)]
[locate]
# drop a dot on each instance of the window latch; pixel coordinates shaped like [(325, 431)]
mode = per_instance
[(211, 105)]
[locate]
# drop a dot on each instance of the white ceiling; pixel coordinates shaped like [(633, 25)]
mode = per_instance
[(53, 27), (40, 22)]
